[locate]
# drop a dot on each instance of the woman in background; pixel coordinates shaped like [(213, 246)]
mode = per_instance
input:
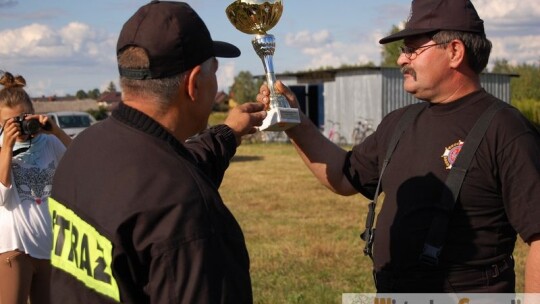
[(31, 147)]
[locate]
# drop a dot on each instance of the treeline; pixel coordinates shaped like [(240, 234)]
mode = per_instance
[(525, 89), (95, 93), (91, 94)]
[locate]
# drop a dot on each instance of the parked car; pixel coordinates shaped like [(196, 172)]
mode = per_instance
[(72, 122)]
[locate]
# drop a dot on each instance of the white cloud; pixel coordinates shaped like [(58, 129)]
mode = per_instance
[(78, 56), (58, 61), (225, 74), (41, 86), (514, 29), (75, 35), (504, 11), (322, 50), (339, 53), (74, 42), (307, 38), (25, 41), (516, 49), (512, 26)]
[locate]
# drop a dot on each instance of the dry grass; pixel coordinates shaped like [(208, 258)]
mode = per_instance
[(303, 240)]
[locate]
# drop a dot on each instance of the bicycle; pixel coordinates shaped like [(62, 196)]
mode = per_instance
[(275, 137), (362, 130), (334, 135), (254, 138)]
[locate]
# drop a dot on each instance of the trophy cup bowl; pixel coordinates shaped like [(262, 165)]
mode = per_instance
[(257, 17)]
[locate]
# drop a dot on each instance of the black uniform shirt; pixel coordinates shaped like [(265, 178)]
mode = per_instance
[(499, 195)]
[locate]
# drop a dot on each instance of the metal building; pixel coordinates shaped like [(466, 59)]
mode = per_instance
[(337, 100)]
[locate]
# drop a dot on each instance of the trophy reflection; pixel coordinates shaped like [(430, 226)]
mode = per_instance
[(256, 17)]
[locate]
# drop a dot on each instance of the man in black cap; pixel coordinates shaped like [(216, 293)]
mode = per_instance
[(136, 212), (435, 234)]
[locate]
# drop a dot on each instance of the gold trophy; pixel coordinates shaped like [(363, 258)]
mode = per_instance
[(256, 17)]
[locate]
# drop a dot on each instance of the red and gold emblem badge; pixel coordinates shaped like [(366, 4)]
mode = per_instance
[(451, 153)]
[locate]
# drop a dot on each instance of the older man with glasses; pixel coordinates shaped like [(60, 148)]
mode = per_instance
[(461, 170)]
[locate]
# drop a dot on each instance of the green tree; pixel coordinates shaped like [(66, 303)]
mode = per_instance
[(502, 66), (81, 94), (526, 85), (369, 64), (245, 87), (525, 89), (112, 87), (99, 114), (390, 51), (94, 94)]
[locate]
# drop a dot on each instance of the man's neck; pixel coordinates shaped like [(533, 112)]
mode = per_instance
[(459, 86), (167, 116)]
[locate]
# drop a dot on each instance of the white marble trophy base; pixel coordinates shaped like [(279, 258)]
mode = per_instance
[(280, 119)]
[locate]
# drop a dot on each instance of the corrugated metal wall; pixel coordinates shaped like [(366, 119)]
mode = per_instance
[(395, 97), (393, 94), (353, 96), (497, 85), (371, 93)]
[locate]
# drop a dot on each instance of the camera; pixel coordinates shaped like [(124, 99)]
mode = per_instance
[(28, 126)]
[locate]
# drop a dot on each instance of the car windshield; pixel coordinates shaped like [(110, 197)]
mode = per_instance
[(74, 121)]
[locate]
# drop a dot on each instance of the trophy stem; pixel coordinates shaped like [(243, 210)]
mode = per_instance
[(265, 46)]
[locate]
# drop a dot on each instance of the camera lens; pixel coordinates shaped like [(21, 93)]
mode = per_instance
[(30, 126)]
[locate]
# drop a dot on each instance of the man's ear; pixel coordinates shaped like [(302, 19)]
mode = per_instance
[(191, 83), (456, 52)]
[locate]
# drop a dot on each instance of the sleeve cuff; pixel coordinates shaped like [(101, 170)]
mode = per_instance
[(5, 194), (227, 134)]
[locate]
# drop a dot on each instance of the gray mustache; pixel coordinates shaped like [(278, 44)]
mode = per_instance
[(408, 70)]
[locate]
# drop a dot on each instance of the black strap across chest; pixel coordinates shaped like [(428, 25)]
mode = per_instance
[(438, 229), (408, 117)]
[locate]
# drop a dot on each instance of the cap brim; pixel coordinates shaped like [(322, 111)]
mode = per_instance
[(405, 33), (225, 50)]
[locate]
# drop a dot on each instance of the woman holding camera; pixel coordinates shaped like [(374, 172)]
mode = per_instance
[(31, 147)]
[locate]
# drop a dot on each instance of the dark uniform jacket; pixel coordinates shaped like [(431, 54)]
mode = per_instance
[(137, 217)]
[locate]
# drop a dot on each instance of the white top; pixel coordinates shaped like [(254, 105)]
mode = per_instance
[(25, 222)]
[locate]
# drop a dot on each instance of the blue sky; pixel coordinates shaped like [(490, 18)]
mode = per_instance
[(61, 46)]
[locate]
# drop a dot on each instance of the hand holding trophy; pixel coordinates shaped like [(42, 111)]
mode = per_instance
[(256, 17)]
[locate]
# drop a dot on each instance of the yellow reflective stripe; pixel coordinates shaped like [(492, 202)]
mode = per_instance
[(80, 250)]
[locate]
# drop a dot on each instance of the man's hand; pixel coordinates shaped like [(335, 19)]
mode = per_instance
[(244, 119), (264, 94)]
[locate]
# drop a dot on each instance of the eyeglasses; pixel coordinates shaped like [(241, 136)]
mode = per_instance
[(412, 52)]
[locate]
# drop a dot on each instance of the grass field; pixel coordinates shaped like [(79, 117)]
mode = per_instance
[(303, 240)]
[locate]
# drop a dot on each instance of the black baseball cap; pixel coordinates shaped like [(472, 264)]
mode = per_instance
[(175, 38), (429, 16)]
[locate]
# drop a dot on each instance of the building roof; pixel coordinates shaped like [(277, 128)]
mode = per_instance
[(325, 75), (110, 97)]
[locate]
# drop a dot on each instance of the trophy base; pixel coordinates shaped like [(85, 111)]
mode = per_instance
[(280, 119)]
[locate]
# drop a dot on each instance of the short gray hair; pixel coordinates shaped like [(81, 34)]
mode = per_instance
[(477, 47), (163, 89)]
